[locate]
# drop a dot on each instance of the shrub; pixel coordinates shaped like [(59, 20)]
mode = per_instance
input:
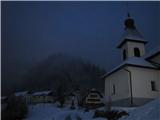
[(61, 101), (86, 109), (72, 105), (60, 95), (99, 113), (15, 110), (68, 117), (110, 115), (115, 114), (78, 117)]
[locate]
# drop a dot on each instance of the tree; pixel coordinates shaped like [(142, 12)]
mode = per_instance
[(61, 95), (16, 109)]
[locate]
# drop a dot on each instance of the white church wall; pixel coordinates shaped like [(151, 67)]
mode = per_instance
[(141, 82), (132, 45), (120, 80), (125, 47)]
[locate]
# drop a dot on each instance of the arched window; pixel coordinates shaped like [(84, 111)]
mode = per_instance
[(124, 54), (136, 52)]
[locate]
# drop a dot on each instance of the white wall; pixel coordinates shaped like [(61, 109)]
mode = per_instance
[(129, 47), (120, 79), (141, 82), (132, 45)]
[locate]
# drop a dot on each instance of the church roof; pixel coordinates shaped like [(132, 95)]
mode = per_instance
[(133, 61), (131, 33), (153, 52)]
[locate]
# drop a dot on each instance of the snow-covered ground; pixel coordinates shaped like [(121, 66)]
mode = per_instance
[(52, 112), (150, 111)]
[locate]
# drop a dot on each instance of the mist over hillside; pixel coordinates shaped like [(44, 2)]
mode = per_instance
[(61, 69)]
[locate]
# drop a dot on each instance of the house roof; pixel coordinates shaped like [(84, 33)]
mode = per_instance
[(3, 97), (133, 61), (22, 93), (42, 93), (93, 90)]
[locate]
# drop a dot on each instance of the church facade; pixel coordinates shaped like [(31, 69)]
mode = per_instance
[(137, 79)]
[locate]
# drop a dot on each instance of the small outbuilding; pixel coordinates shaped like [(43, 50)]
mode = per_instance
[(93, 99), (43, 97), (25, 95), (4, 102)]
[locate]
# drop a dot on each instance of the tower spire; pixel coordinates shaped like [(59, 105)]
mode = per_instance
[(127, 9), (129, 22), (128, 14)]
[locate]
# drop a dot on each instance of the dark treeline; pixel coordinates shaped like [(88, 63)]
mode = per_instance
[(61, 69)]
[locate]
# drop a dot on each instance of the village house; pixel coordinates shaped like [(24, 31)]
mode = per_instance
[(137, 79), (93, 99), (25, 95), (43, 97), (4, 102)]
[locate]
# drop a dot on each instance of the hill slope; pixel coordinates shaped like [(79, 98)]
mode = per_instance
[(60, 69)]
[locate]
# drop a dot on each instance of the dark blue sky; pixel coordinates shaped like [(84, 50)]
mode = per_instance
[(33, 30)]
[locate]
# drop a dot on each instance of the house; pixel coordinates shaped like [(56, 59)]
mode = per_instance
[(25, 95), (4, 102), (93, 99), (137, 79), (43, 97)]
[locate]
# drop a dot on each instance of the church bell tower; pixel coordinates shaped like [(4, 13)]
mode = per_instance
[(132, 43)]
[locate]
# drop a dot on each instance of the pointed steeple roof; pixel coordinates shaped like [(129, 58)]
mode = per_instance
[(131, 33)]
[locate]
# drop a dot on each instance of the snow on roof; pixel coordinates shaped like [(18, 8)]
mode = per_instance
[(21, 93), (133, 61), (3, 97), (139, 62), (42, 93), (133, 35), (152, 52)]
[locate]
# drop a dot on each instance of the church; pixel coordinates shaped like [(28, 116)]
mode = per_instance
[(137, 79)]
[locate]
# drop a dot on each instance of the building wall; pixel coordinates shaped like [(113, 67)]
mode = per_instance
[(41, 99), (129, 47), (141, 86), (141, 82), (120, 80), (132, 45), (93, 98)]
